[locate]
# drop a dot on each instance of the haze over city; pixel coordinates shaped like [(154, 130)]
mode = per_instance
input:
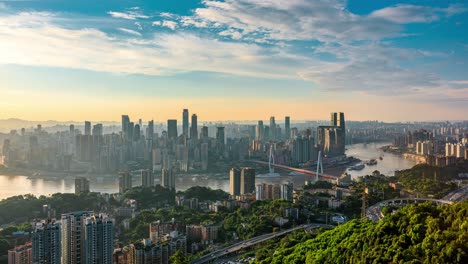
[(233, 60)]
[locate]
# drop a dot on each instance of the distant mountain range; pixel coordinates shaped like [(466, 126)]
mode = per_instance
[(14, 123)]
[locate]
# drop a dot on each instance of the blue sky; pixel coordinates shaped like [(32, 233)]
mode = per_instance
[(244, 59)]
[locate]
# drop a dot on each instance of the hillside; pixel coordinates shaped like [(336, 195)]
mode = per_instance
[(420, 233)]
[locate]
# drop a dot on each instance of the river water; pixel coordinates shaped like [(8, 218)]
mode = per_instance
[(17, 185)]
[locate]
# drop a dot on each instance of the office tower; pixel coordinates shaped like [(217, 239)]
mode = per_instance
[(259, 131), (98, 130), (125, 124), (168, 178), (234, 181), (73, 237), (272, 128), (147, 178), (194, 127), (20, 254), (130, 131), (266, 132), (220, 136), (150, 130), (185, 122), (172, 128), (136, 133), (204, 132), (247, 181), (98, 239), (87, 128), (72, 130), (287, 127), (125, 182), (46, 242), (332, 139), (81, 185)]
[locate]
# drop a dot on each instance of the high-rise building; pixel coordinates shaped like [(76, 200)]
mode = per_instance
[(287, 127), (46, 242), (235, 181), (272, 128), (204, 132), (98, 130), (287, 191), (72, 236), (247, 181), (259, 131), (172, 128), (220, 137), (81, 185), (194, 127), (204, 155), (20, 254), (332, 139), (125, 124), (125, 182), (87, 128), (98, 239), (150, 130), (168, 178), (87, 238), (185, 122), (147, 178)]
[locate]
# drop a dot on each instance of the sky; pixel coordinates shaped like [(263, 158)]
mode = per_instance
[(234, 59)]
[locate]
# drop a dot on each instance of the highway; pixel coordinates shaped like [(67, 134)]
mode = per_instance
[(248, 243), (458, 195)]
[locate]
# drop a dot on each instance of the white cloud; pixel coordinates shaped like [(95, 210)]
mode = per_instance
[(129, 31), (131, 15), (169, 24), (3, 6), (164, 54), (404, 14), (231, 33), (156, 23)]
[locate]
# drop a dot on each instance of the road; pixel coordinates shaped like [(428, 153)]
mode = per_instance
[(248, 243), (458, 195)]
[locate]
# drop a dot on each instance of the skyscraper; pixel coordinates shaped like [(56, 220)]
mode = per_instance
[(125, 123), (125, 182), (81, 185), (147, 178), (220, 137), (204, 132), (287, 127), (73, 237), (98, 130), (87, 238), (87, 128), (194, 127), (150, 130), (332, 139), (98, 239), (234, 181), (185, 122), (247, 181), (168, 178), (172, 128), (259, 131), (46, 242), (272, 128)]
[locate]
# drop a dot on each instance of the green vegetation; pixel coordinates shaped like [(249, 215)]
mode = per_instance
[(420, 233), (151, 197), (319, 185), (428, 180), (204, 194), (26, 207)]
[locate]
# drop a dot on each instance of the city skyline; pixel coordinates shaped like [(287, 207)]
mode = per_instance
[(385, 60)]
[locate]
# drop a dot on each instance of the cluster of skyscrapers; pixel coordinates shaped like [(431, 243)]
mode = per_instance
[(78, 238)]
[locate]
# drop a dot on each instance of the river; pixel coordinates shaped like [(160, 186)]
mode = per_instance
[(18, 185)]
